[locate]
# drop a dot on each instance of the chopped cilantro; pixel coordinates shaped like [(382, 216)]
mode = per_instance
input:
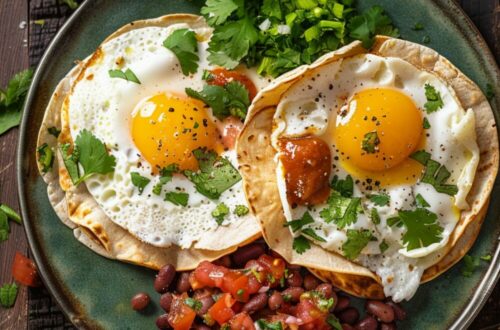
[(422, 228), (240, 292), (394, 221), (356, 242), (421, 156), (230, 100), (490, 92), (471, 263), (166, 175), (54, 131), (12, 100), (344, 186), (380, 199), (91, 154), (426, 39), (217, 11), (45, 157), (434, 101), (366, 26), (177, 198), (486, 257), (370, 142), (267, 325), (296, 225), (341, 210), (184, 45), (8, 295), (383, 246), (418, 26), (194, 304), (301, 244), (220, 212), (426, 124), (333, 322), (139, 181), (215, 176), (420, 201), (127, 75), (375, 217), (241, 210), (312, 234), (4, 227), (435, 174)]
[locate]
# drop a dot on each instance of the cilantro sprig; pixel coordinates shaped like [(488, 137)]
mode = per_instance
[(12, 99), (434, 100), (45, 157), (356, 242), (184, 45), (139, 181), (220, 212), (343, 211), (166, 175), (422, 228), (127, 75), (435, 174), (301, 244)]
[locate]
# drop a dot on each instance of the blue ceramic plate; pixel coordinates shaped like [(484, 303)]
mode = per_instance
[(95, 292)]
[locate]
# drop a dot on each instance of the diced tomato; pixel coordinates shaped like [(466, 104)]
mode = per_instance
[(24, 271), (221, 311), (276, 266), (237, 307), (181, 316), (207, 274), (308, 312), (229, 129), (221, 77), (236, 284), (241, 321), (253, 284)]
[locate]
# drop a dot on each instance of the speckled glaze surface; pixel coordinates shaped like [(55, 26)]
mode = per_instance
[(95, 292)]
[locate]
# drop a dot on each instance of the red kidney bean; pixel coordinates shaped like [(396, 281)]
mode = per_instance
[(247, 253), (368, 323), (294, 278), (294, 267), (399, 312), (292, 294), (140, 301), (275, 301), (326, 289), (342, 303), (166, 301), (162, 322), (346, 326), (198, 326), (381, 311), (206, 303), (257, 302), (388, 326), (223, 261), (311, 282), (183, 284), (349, 316), (164, 278)]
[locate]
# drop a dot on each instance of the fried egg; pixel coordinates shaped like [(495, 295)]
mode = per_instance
[(371, 113), (149, 126)]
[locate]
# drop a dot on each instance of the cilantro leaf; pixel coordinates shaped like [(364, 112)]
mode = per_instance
[(194, 304), (232, 99), (380, 199), (435, 174), (356, 242), (422, 228), (45, 157), (420, 201), (215, 176), (309, 232), (375, 217), (370, 142), (372, 22), (12, 100), (471, 263), (216, 12), (434, 101), (341, 210), (272, 8), (8, 295), (345, 187), (127, 75), (54, 131), (184, 45), (177, 198), (383, 246), (139, 181), (241, 210), (394, 221), (71, 161), (166, 175), (267, 325), (426, 124), (421, 156), (4, 227), (301, 244), (220, 212), (333, 321), (296, 225)]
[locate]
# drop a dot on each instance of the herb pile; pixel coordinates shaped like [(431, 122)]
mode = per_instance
[(278, 36)]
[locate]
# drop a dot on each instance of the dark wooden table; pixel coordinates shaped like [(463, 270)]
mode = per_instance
[(22, 42)]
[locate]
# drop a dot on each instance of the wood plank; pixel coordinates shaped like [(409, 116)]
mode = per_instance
[(14, 57)]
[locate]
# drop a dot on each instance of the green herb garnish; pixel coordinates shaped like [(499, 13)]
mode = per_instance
[(296, 225), (127, 75), (12, 100), (139, 181), (166, 175), (177, 198), (375, 217), (420, 201), (241, 210), (380, 199), (344, 186), (434, 101), (422, 228), (343, 211), (356, 242), (301, 244), (220, 212), (45, 157), (370, 142), (435, 174), (184, 45), (8, 295), (383, 246), (194, 304)]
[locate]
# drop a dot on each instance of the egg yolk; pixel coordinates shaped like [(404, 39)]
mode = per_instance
[(376, 134), (167, 128)]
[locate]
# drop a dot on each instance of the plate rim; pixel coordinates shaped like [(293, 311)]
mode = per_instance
[(64, 301)]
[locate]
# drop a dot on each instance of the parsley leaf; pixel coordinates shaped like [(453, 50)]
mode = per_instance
[(435, 174), (12, 99), (370, 142), (383, 246), (471, 263), (232, 99), (366, 26), (215, 176), (422, 228), (241, 210), (8, 295), (194, 304), (356, 242), (341, 210), (128, 75), (216, 12), (45, 157), (434, 101), (166, 175), (380, 199), (4, 227), (375, 217), (177, 198), (301, 244), (266, 325), (420, 201), (220, 213), (184, 45), (296, 225), (91, 154), (312, 234), (345, 187), (139, 181), (54, 131)]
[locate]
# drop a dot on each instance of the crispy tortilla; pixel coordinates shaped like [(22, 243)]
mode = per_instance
[(258, 168), (76, 207)]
